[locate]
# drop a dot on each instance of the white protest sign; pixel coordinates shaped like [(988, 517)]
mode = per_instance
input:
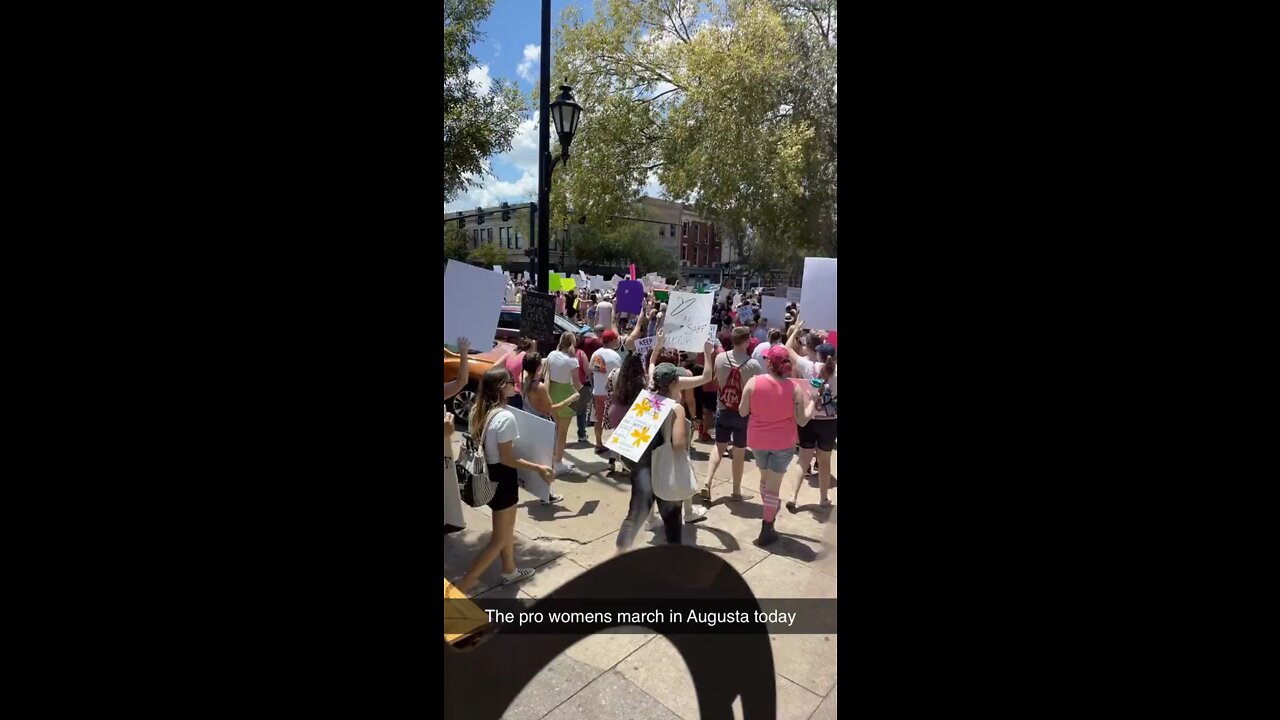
[(497, 268), (793, 294), (536, 442), (687, 319), (644, 344), (818, 301), (643, 421), (526, 276), (723, 294), (774, 309), (474, 298)]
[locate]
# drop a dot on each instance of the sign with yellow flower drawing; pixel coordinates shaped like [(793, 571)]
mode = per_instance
[(642, 423)]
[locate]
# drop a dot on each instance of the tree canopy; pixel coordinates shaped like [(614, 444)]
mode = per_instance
[(478, 122), (619, 243), (488, 255), (455, 242), (730, 103)]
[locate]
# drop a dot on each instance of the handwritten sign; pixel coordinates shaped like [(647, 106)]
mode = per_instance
[(630, 296), (537, 315), (640, 426), (688, 320), (644, 344), (818, 301)]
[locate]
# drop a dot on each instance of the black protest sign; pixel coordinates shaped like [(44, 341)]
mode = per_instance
[(538, 315)]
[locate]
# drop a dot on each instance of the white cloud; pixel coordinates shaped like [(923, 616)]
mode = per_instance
[(493, 191), (532, 59), (480, 76), (497, 48), (524, 147), (653, 188)]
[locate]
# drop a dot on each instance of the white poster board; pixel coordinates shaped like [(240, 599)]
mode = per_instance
[(774, 309), (687, 321), (723, 295), (536, 443), (497, 268), (474, 298), (793, 294), (818, 301), (640, 426), (526, 276)]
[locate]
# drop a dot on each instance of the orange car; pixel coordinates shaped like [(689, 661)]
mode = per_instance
[(477, 365)]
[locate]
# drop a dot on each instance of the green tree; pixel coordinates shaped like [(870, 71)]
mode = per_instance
[(733, 109), (478, 122), (488, 255), (455, 242)]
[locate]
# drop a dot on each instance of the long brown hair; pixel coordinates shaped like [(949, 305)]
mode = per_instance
[(488, 397), (532, 362)]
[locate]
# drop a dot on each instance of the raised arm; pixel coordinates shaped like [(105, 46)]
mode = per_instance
[(655, 350), (708, 369), (452, 387), (793, 342), (637, 331)]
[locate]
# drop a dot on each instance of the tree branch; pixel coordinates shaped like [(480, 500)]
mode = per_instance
[(655, 97)]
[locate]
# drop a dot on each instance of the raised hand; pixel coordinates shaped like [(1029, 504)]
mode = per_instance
[(710, 348), (464, 345)]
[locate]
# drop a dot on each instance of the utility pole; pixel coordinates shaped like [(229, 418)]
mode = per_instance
[(544, 154)]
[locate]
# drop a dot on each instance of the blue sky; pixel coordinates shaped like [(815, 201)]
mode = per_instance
[(511, 50)]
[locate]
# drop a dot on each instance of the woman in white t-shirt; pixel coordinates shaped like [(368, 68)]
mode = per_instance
[(495, 428), (564, 383)]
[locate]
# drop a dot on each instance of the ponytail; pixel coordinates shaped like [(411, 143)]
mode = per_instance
[(567, 341)]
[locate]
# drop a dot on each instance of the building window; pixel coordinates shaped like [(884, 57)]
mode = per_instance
[(662, 230), (490, 236), (475, 238), (517, 239), (685, 229), (673, 231)]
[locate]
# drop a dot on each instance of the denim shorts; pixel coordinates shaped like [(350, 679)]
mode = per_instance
[(774, 460)]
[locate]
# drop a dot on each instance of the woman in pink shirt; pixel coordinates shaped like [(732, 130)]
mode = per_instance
[(773, 406)]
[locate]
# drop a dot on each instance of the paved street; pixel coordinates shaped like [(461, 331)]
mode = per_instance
[(642, 676)]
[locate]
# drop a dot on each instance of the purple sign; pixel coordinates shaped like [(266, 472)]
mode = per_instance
[(630, 296)]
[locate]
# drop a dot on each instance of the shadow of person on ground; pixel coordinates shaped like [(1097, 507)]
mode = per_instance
[(538, 511)]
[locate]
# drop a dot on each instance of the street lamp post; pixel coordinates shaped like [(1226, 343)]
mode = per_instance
[(566, 113)]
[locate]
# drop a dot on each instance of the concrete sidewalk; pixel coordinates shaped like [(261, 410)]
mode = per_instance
[(642, 676)]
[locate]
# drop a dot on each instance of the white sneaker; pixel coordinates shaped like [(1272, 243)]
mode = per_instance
[(694, 513), (563, 467)]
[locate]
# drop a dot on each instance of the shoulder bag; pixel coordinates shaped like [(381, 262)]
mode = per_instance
[(474, 484)]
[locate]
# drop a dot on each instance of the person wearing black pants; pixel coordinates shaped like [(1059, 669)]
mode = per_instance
[(642, 499)]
